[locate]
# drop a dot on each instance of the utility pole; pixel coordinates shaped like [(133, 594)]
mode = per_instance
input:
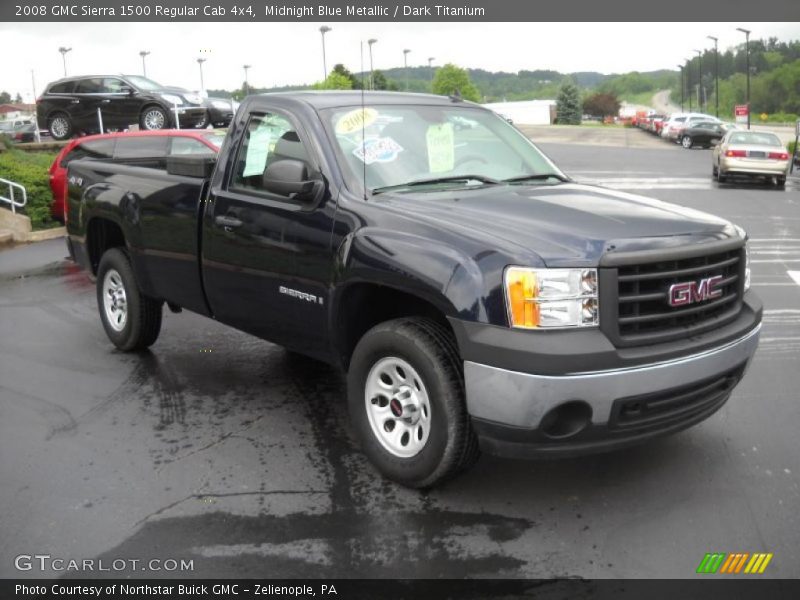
[(200, 62), (64, 51), (716, 74), (700, 81), (405, 65), (681, 68), (371, 71), (746, 33), (144, 53), (689, 82), (246, 83), (323, 30)]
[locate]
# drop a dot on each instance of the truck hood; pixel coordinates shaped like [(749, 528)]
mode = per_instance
[(565, 225)]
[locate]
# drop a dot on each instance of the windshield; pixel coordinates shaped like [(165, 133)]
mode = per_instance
[(755, 139), (143, 83), (439, 146)]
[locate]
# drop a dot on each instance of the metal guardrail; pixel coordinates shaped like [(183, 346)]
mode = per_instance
[(11, 199)]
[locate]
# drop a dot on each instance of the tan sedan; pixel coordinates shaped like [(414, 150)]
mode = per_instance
[(750, 153)]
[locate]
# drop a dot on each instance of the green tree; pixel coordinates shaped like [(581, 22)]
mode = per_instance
[(601, 105), (334, 81), (380, 82), (450, 79), (5, 97), (355, 82), (568, 104)]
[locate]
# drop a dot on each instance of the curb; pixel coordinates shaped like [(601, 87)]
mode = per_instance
[(46, 234)]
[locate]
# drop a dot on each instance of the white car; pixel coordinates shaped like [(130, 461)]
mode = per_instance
[(684, 121)]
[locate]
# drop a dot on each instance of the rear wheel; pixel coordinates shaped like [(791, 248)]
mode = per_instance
[(132, 320), (154, 118), (407, 402), (780, 182), (59, 126)]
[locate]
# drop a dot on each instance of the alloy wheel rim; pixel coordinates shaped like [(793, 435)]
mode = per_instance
[(398, 407), (59, 126), (154, 119), (115, 301)]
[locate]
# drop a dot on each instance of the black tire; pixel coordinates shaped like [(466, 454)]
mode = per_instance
[(721, 177), (780, 182), (60, 126), (142, 322), (430, 349), (154, 118)]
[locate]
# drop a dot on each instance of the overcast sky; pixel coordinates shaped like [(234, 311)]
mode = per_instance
[(290, 53)]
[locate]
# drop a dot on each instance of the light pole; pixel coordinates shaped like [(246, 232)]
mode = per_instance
[(681, 68), (64, 51), (430, 67), (405, 65), (689, 82), (144, 53), (716, 73), (700, 80), (323, 30), (200, 62), (246, 83), (371, 72), (746, 33)]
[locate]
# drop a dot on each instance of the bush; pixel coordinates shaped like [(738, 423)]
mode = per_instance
[(30, 170)]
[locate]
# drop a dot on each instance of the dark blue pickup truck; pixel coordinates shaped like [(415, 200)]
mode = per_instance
[(476, 297)]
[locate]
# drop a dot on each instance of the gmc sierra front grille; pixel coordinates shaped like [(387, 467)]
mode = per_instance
[(673, 406), (643, 311)]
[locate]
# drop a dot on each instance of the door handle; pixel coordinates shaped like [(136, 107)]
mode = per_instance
[(228, 223), (75, 101), (106, 101)]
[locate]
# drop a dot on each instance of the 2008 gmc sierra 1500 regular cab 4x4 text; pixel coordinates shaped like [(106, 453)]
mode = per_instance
[(477, 298)]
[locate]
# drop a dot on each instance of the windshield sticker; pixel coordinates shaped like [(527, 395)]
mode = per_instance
[(379, 150), (356, 120), (441, 148), (258, 147)]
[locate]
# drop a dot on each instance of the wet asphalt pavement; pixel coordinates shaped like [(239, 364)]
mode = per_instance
[(223, 449)]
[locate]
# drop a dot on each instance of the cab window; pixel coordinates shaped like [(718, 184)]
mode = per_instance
[(141, 147), (187, 145), (269, 138), (112, 85), (94, 149)]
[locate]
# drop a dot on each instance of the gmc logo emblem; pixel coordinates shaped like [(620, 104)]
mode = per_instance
[(689, 292)]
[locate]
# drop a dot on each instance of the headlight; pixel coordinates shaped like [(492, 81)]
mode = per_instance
[(193, 98), (172, 99), (221, 104), (549, 298)]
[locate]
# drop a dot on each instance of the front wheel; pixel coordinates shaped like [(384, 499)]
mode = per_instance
[(154, 118), (59, 126), (132, 320), (407, 402), (686, 142)]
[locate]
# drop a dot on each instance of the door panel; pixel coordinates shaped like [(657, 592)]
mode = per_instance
[(267, 259)]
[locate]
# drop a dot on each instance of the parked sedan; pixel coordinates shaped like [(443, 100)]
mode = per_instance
[(23, 133), (702, 133), (138, 146), (752, 154), (77, 104)]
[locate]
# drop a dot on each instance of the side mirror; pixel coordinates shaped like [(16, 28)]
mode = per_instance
[(126, 89), (715, 142), (291, 178)]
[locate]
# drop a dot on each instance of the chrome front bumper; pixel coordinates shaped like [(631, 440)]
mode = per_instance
[(520, 400)]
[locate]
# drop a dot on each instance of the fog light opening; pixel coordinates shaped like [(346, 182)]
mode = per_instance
[(566, 420)]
